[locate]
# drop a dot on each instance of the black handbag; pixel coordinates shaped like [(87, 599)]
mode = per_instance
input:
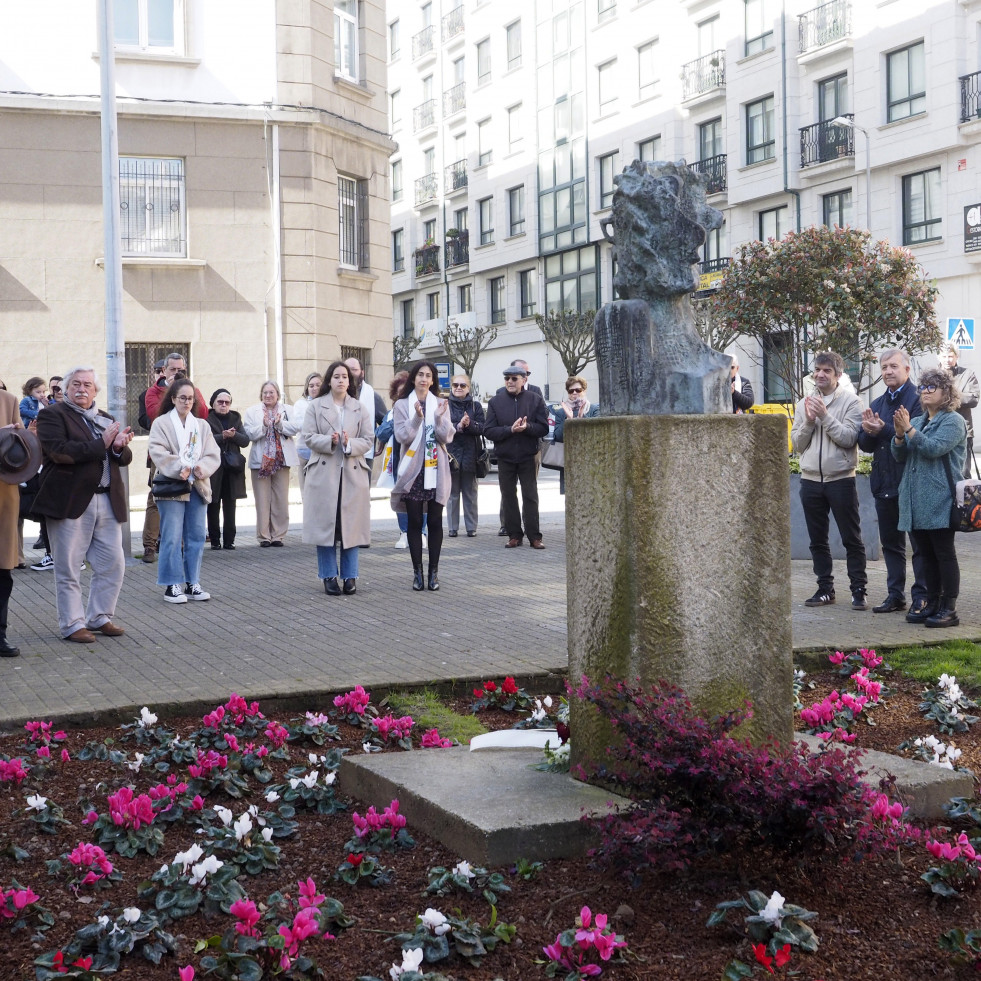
[(966, 516), (232, 461), (482, 463), (164, 487)]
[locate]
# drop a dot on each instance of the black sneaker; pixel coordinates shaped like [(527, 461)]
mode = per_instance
[(821, 598), (859, 602)]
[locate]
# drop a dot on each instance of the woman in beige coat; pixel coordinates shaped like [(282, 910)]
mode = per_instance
[(9, 513), (423, 428), (182, 447), (338, 430)]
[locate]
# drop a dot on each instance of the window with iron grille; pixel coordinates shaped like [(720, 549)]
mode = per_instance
[(140, 359), (905, 82), (516, 209), (398, 254), (363, 354), (513, 32), (837, 208), (760, 143), (346, 39), (922, 218), (498, 300), (153, 212), (352, 213), (608, 167), (155, 26), (528, 291)]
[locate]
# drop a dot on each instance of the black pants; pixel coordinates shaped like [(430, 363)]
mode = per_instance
[(893, 543), (840, 498), (226, 500), (943, 574), (508, 475), (6, 587), (434, 530), (969, 458)]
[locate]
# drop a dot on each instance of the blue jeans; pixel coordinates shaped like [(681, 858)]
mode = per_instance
[(327, 562), (181, 520)]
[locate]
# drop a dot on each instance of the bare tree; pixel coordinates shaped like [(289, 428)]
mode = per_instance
[(711, 328), (570, 332), (465, 344), (402, 348)]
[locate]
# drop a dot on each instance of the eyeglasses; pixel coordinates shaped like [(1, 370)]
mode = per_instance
[(929, 389), (508, 378), (459, 384), (55, 390), (574, 391), (183, 398), (223, 401)]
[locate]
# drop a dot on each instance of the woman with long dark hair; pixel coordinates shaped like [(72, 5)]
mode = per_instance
[(228, 481), (423, 428)]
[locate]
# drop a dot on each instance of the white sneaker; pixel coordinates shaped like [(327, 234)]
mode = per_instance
[(83, 567), (195, 592), (174, 594), (46, 563), (403, 541)]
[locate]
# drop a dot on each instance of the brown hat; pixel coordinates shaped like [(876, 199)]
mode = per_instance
[(20, 455)]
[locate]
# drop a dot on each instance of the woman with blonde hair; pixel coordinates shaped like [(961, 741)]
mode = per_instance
[(311, 390)]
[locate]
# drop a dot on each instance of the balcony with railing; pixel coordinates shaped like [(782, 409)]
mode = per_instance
[(455, 176), (422, 43), (711, 274), (426, 189), (822, 142), (823, 25), (427, 260), (453, 23), (970, 96), (424, 116), (458, 249), (714, 168), (455, 99), (703, 74)]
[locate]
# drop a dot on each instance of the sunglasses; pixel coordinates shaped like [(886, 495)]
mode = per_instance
[(55, 390), (929, 389), (223, 401), (574, 391), (459, 384), (508, 378)]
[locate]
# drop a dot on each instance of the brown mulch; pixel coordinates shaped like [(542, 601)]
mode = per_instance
[(877, 919)]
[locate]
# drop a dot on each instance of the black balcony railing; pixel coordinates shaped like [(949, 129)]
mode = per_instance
[(455, 176), (426, 188), (825, 141), (710, 285), (424, 115), (714, 168), (453, 23), (822, 25), (427, 260), (703, 74), (970, 96), (458, 250), (422, 43), (455, 99)]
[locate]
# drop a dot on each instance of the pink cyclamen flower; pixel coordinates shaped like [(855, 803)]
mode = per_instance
[(186, 973), (837, 658), (65, 756), (309, 897), (433, 740), (244, 910)]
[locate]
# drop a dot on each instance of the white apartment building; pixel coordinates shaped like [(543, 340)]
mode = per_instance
[(254, 155), (512, 118)]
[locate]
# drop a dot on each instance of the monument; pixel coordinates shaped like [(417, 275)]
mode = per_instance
[(677, 513)]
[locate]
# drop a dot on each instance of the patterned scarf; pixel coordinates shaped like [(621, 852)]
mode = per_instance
[(427, 432), (98, 424), (272, 445)]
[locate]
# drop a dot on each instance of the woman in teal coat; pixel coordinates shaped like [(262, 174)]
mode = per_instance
[(933, 446)]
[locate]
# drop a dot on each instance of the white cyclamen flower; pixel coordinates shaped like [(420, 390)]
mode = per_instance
[(147, 718), (267, 834), (103, 922), (547, 701), (771, 912), (136, 763), (36, 802), (242, 827), (294, 783), (463, 868), (411, 961), (225, 814), (272, 797), (131, 914), (310, 780), (188, 858), (433, 920), (202, 870), (946, 680), (329, 778)]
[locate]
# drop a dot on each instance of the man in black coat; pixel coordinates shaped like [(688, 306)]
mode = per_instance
[(874, 437), (516, 420), (742, 391)]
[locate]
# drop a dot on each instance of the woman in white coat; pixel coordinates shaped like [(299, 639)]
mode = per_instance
[(336, 496), (423, 428), (271, 426), (183, 447)]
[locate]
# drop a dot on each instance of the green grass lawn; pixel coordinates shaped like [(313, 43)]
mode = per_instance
[(429, 712), (960, 658)]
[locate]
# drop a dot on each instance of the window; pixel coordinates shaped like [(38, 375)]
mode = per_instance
[(151, 25), (459, 71), (607, 87), (516, 210), (396, 180), (408, 318), (393, 40), (432, 305), (905, 82), (429, 160), (346, 39), (426, 10), (152, 207), (777, 349), (710, 139), (759, 25), (352, 214), (483, 61), (427, 88), (836, 208), (649, 149), (513, 32), (464, 298), (485, 152), (515, 133), (429, 231), (605, 9), (395, 109), (398, 255), (498, 300), (773, 223), (706, 32), (759, 131), (832, 98), (608, 166), (712, 250), (485, 208), (572, 280), (646, 78), (460, 220), (528, 291), (921, 207)]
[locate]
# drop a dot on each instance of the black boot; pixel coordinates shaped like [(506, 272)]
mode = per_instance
[(433, 578), (7, 650), (946, 616), (332, 587), (417, 583)]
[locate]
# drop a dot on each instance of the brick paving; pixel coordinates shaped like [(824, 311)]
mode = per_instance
[(270, 632)]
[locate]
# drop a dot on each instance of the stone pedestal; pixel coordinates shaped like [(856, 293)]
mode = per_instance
[(678, 543)]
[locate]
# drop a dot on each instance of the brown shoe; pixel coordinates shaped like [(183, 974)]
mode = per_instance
[(513, 543), (82, 636), (537, 543), (110, 629)]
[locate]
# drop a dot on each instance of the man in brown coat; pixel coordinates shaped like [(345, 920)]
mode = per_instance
[(83, 497)]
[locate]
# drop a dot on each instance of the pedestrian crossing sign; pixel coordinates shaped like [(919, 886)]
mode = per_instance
[(960, 332)]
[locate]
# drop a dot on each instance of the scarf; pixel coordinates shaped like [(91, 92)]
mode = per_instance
[(579, 406), (427, 433), (188, 438), (98, 424), (272, 445)]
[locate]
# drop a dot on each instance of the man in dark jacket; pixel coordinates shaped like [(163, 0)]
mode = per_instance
[(874, 437), (742, 391), (516, 420)]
